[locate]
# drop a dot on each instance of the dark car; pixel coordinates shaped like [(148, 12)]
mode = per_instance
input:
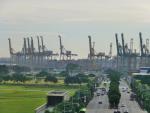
[(100, 102), (117, 111)]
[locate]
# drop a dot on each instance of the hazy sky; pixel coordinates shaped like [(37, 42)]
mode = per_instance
[(74, 20)]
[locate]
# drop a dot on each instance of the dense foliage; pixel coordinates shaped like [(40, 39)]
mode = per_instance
[(19, 69), (42, 74), (114, 93), (144, 79), (79, 100), (3, 69), (142, 91), (70, 68), (16, 77), (78, 79), (63, 74), (51, 78)]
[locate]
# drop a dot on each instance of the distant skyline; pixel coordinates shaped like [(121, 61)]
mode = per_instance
[(74, 20)]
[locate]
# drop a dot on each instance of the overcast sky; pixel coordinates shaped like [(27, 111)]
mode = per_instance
[(74, 20)]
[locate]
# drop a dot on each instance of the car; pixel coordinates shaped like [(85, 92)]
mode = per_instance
[(125, 111), (98, 94), (102, 94), (117, 111), (100, 102), (128, 91), (122, 105)]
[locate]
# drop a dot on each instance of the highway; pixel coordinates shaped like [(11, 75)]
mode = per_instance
[(131, 106)]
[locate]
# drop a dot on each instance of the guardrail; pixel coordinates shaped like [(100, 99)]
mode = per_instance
[(41, 108)]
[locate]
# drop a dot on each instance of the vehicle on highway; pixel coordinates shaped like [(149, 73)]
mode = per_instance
[(100, 102), (123, 105), (98, 93), (128, 91), (132, 96), (117, 111), (102, 93), (125, 111), (103, 89), (124, 89)]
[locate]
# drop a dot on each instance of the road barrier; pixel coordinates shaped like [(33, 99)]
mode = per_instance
[(41, 108)]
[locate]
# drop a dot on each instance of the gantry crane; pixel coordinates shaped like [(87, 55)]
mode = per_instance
[(93, 53), (65, 54), (145, 55)]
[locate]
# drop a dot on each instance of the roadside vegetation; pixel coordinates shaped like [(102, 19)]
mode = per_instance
[(141, 86), (79, 100)]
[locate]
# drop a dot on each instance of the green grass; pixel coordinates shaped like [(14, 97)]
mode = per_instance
[(24, 99)]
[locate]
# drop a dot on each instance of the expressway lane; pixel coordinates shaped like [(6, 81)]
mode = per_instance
[(131, 106)]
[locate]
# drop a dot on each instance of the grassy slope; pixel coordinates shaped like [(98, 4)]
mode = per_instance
[(20, 99)]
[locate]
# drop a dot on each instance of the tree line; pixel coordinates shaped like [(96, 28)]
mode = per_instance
[(141, 86), (114, 94)]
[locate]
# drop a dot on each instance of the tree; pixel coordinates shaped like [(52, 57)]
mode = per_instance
[(71, 67), (72, 80), (114, 94), (1, 79), (19, 77), (4, 69), (6, 78), (51, 78), (63, 73), (19, 69), (42, 74)]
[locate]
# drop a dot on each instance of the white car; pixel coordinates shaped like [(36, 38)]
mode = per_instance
[(123, 105)]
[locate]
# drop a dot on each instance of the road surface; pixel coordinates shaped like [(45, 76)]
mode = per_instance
[(131, 106)]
